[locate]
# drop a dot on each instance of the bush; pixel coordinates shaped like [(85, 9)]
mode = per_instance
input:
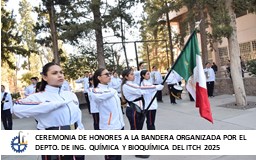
[(251, 66), (16, 95)]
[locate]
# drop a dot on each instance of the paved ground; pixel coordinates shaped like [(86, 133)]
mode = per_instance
[(182, 116)]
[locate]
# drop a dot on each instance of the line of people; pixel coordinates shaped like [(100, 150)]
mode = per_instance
[(57, 109)]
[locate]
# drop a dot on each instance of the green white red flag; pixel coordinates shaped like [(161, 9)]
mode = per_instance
[(189, 66)]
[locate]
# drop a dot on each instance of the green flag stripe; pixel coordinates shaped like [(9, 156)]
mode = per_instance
[(186, 61)]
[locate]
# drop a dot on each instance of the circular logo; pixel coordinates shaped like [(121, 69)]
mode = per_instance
[(17, 146)]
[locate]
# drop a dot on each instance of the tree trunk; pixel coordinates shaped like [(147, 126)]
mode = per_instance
[(236, 72), (51, 11), (95, 6), (203, 36), (123, 42)]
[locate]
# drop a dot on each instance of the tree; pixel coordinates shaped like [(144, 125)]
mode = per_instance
[(234, 57), (251, 67), (155, 17), (25, 28), (10, 38), (74, 22), (95, 7)]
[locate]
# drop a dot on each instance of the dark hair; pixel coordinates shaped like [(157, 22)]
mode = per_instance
[(125, 73), (95, 79), (44, 72), (142, 73), (3, 86), (141, 63), (34, 78), (38, 86), (90, 83)]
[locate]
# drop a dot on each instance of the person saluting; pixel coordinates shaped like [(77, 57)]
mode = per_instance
[(53, 108)]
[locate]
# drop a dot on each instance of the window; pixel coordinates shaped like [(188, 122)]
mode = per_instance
[(245, 47), (223, 52), (254, 45)]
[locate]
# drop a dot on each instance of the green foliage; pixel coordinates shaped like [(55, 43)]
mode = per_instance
[(220, 20), (10, 38), (26, 78), (15, 95), (251, 66)]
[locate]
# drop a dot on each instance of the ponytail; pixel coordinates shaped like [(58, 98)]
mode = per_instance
[(95, 79), (142, 73), (44, 73)]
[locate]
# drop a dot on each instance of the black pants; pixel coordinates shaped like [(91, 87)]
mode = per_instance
[(210, 88), (62, 157), (88, 102), (151, 116), (113, 157), (6, 118), (172, 98), (190, 97), (96, 119), (136, 120), (159, 95)]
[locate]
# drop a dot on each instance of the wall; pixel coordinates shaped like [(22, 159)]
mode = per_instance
[(225, 86)]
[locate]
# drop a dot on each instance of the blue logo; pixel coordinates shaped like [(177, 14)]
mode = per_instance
[(19, 143)]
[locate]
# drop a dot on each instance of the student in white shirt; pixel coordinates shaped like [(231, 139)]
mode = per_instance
[(210, 79), (32, 87), (133, 94), (115, 82), (151, 114), (53, 108), (85, 82), (171, 81), (6, 109), (157, 78), (137, 73), (109, 105), (94, 108), (65, 86)]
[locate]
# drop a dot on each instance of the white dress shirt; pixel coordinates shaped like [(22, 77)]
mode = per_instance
[(149, 97), (210, 75), (30, 89), (85, 82), (132, 91), (171, 79), (93, 105), (156, 77), (8, 101), (51, 108), (116, 84), (109, 105)]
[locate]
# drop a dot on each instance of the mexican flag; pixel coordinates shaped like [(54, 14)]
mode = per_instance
[(189, 66)]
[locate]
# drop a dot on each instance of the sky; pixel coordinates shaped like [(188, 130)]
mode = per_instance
[(130, 36)]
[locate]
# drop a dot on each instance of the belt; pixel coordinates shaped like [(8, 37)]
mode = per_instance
[(66, 127)]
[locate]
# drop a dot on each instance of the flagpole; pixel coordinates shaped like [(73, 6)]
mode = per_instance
[(169, 72)]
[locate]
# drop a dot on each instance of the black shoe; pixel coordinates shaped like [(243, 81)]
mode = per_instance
[(161, 101), (142, 156), (174, 103)]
